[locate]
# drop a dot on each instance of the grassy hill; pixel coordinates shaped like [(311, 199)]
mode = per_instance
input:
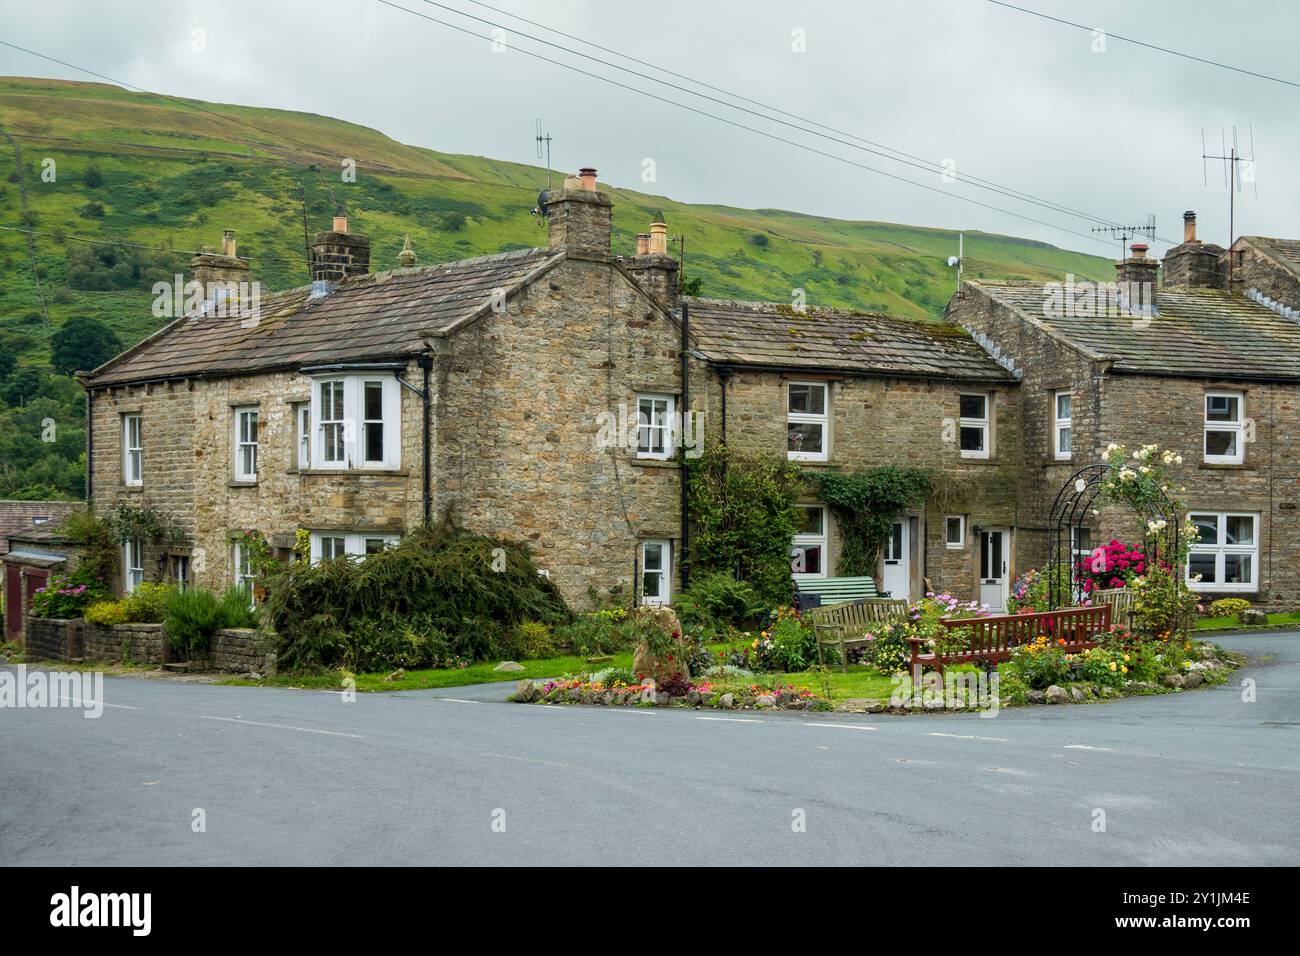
[(135, 167), (97, 162)]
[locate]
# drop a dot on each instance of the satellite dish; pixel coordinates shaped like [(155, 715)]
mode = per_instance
[(953, 260)]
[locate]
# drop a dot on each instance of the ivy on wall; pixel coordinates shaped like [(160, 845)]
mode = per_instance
[(866, 504)]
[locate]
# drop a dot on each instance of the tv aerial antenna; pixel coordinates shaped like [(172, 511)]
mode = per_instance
[(544, 146), (955, 262), (1123, 233), (1236, 169)]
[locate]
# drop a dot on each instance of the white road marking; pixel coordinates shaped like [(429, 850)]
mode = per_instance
[(458, 700), (844, 726), (1086, 747), (77, 701), (735, 720), (258, 723), (1000, 740)]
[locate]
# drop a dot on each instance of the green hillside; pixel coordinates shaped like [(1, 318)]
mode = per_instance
[(136, 168)]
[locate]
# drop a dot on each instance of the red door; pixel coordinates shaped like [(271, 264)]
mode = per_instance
[(13, 601)]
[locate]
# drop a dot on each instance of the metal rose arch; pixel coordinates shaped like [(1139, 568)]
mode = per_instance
[(1073, 509)]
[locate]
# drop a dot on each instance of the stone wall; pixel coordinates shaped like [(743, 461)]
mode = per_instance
[(50, 639), (241, 651), (134, 643), (520, 399)]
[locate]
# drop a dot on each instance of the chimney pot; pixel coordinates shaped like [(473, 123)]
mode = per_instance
[(228, 242), (1139, 250), (659, 238), (1189, 226), (587, 176), (340, 223), (642, 243)]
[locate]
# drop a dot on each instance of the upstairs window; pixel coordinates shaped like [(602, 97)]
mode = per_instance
[(303, 418), (246, 444), (357, 423), (654, 426), (132, 451), (973, 425), (1224, 427), (1062, 426), (807, 421)]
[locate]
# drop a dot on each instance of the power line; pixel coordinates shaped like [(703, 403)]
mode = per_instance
[(1150, 46), (751, 129), (930, 165), (136, 245)]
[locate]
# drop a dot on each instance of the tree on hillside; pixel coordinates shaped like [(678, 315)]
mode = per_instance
[(7, 364), (82, 343)]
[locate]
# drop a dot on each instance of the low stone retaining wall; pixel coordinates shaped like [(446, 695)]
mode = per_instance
[(235, 651), (136, 643), (50, 639)]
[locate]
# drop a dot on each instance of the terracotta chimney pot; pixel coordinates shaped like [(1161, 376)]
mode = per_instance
[(1189, 226), (587, 175)]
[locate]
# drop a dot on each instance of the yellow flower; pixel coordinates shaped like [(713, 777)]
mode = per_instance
[(1112, 665), (1124, 670)]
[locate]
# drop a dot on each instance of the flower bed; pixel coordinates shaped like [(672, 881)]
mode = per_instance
[(722, 694)]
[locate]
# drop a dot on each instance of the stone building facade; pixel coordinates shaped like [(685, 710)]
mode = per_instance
[(1211, 374)]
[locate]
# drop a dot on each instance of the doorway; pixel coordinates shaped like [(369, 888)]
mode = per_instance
[(897, 577), (993, 568)]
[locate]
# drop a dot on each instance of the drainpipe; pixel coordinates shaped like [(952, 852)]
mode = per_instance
[(90, 447), (425, 362), (724, 378), (684, 560)]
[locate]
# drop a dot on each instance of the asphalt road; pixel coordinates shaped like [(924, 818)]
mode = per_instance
[(429, 777)]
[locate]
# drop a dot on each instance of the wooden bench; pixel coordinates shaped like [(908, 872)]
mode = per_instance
[(1121, 604), (994, 638), (850, 622), (835, 591)]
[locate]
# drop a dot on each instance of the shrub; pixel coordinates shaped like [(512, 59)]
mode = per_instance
[(1229, 607), (716, 601), (535, 639), (473, 590), (889, 650), (1102, 665), (1163, 606), (106, 613), (596, 634), (1110, 566), (192, 617), (237, 608), (1039, 664), (147, 604), (66, 597)]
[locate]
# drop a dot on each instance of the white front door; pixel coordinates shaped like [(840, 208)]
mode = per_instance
[(993, 568), (897, 578)]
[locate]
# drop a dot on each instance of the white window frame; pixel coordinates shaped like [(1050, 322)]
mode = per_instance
[(354, 542), (1062, 426), (803, 541), (948, 542), (647, 426), (983, 424), (132, 564), (242, 570), (302, 422), (243, 442), (1237, 428), (352, 426), (133, 450), (1222, 549), (665, 572), (808, 418)]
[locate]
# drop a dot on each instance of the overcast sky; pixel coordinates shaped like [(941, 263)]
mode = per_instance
[(1007, 97)]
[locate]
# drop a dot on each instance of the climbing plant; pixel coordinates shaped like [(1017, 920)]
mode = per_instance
[(866, 504), (743, 518)]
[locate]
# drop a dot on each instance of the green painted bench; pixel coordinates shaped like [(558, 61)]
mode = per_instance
[(847, 624), (837, 590)]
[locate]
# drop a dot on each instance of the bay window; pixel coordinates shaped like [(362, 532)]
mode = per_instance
[(807, 421), (357, 423), (1226, 556)]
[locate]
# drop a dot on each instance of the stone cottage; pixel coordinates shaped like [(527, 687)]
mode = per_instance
[(1207, 364), (499, 391)]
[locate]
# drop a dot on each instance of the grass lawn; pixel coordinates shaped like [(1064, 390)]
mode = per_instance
[(1215, 623), (860, 681)]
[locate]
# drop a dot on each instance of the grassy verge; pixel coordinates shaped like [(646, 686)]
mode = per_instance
[(1230, 623)]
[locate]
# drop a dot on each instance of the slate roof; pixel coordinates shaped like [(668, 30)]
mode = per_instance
[(18, 517), (1197, 333), (1286, 251), (765, 334), (377, 316)]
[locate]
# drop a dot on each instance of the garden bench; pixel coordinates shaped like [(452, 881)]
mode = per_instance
[(828, 591), (1121, 604), (994, 638), (851, 621)]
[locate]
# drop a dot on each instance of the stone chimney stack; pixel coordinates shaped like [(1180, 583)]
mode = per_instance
[(1136, 277), (652, 268), (210, 268), (337, 254), (579, 217), (1194, 264)]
